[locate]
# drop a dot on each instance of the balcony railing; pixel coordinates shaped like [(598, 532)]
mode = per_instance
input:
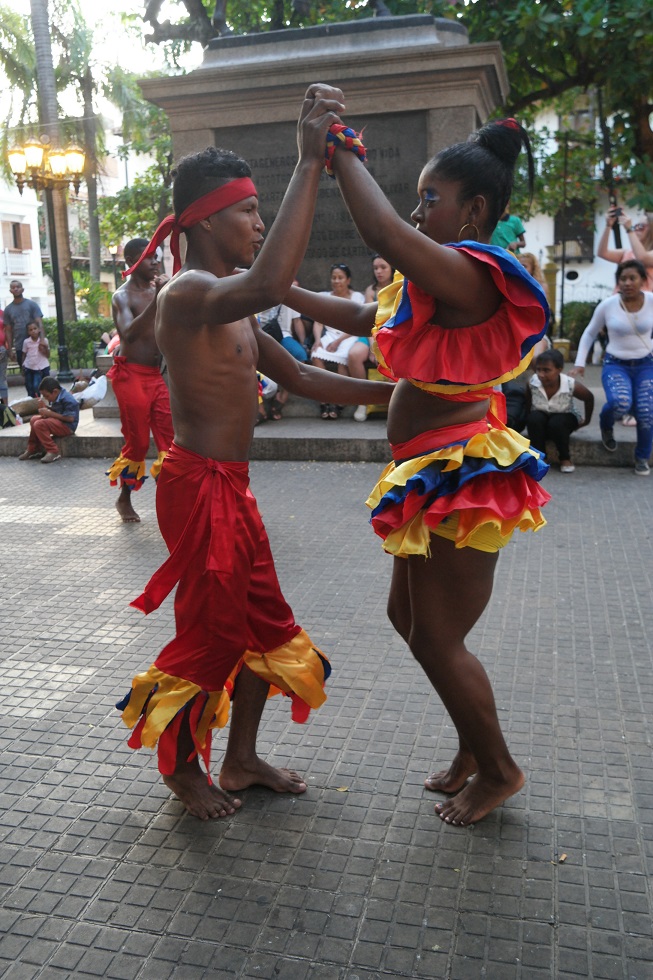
[(16, 263)]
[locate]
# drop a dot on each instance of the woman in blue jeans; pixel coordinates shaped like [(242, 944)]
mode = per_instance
[(628, 361)]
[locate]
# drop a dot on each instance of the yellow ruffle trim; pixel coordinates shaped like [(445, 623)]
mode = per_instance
[(504, 445), (155, 468), (128, 471), (467, 529), (294, 667), (482, 530)]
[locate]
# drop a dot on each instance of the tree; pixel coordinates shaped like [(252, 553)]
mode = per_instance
[(138, 209), (553, 49), (49, 120), (570, 48)]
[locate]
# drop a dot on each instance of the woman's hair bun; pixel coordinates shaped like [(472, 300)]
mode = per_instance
[(504, 138)]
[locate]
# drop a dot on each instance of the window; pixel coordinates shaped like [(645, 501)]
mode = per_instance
[(577, 231), (16, 237)]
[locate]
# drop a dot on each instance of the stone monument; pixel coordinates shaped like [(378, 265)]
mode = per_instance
[(414, 84)]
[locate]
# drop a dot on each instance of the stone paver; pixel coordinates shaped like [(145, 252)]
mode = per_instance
[(101, 874)]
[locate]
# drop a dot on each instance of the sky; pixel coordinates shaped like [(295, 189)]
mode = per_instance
[(116, 44)]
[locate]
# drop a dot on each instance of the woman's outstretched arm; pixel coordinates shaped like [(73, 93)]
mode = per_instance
[(343, 314)]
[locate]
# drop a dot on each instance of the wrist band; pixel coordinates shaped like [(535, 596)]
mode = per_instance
[(345, 138)]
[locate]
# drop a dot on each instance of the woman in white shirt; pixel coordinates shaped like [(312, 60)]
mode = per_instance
[(628, 361), (330, 345)]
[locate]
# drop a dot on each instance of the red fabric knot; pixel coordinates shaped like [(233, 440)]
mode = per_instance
[(216, 200)]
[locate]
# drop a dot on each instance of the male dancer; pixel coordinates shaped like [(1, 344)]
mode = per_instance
[(140, 391), (235, 632)]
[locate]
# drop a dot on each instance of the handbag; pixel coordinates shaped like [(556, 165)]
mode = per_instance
[(273, 328)]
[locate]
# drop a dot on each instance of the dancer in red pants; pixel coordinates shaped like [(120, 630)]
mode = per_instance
[(140, 390), (235, 635)]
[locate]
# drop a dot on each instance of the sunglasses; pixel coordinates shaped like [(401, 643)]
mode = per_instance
[(640, 227)]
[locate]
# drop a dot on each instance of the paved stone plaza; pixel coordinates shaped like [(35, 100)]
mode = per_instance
[(102, 875)]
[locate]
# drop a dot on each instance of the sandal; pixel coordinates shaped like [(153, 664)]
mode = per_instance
[(260, 419), (324, 411), (333, 412), (274, 410)]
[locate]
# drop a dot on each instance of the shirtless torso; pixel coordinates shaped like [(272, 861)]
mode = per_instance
[(139, 389), (133, 299)]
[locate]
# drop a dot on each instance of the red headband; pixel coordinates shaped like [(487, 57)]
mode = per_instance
[(203, 207)]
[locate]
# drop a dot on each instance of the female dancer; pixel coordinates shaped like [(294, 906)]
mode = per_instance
[(627, 374), (466, 318)]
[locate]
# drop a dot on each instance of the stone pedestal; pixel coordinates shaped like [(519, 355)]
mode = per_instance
[(414, 84)]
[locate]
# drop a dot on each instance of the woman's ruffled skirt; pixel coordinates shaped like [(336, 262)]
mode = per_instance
[(473, 484)]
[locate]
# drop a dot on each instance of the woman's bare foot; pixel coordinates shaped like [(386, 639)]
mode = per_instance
[(201, 798), (454, 778), (235, 777), (126, 511), (478, 798)]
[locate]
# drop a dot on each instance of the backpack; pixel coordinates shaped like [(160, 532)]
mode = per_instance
[(273, 327), (7, 417)]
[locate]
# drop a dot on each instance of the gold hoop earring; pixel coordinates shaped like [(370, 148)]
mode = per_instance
[(463, 237)]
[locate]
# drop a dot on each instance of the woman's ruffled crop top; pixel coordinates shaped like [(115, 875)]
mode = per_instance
[(464, 363)]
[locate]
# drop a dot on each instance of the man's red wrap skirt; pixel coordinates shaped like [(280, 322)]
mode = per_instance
[(144, 405), (229, 611)]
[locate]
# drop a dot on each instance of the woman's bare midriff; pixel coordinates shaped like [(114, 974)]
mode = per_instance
[(413, 411)]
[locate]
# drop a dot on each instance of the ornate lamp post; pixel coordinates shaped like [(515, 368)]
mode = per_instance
[(113, 250), (46, 168)]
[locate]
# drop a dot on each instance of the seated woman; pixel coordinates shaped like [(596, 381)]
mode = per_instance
[(360, 353), (331, 346)]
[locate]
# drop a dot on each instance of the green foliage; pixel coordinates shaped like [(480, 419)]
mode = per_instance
[(90, 294), (576, 316), (80, 337), (135, 211)]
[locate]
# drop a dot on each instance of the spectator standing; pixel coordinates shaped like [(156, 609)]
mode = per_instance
[(552, 414), (509, 232), (4, 357), (639, 245), (36, 359), (18, 314), (533, 268), (59, 419)]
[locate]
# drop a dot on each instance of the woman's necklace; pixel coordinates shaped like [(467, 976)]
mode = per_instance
[(632, 317), (639, 299)]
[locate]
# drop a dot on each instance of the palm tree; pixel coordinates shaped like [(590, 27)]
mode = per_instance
[(49, 120)]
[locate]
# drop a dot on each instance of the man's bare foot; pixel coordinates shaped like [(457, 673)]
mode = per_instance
[(200, 798), (126, 511), (454, 778), (478, 798), (259, 773)]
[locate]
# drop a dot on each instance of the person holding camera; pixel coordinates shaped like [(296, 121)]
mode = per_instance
[(639, 243)]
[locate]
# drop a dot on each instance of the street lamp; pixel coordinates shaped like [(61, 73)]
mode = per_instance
[(113, 249), (47, 168)]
